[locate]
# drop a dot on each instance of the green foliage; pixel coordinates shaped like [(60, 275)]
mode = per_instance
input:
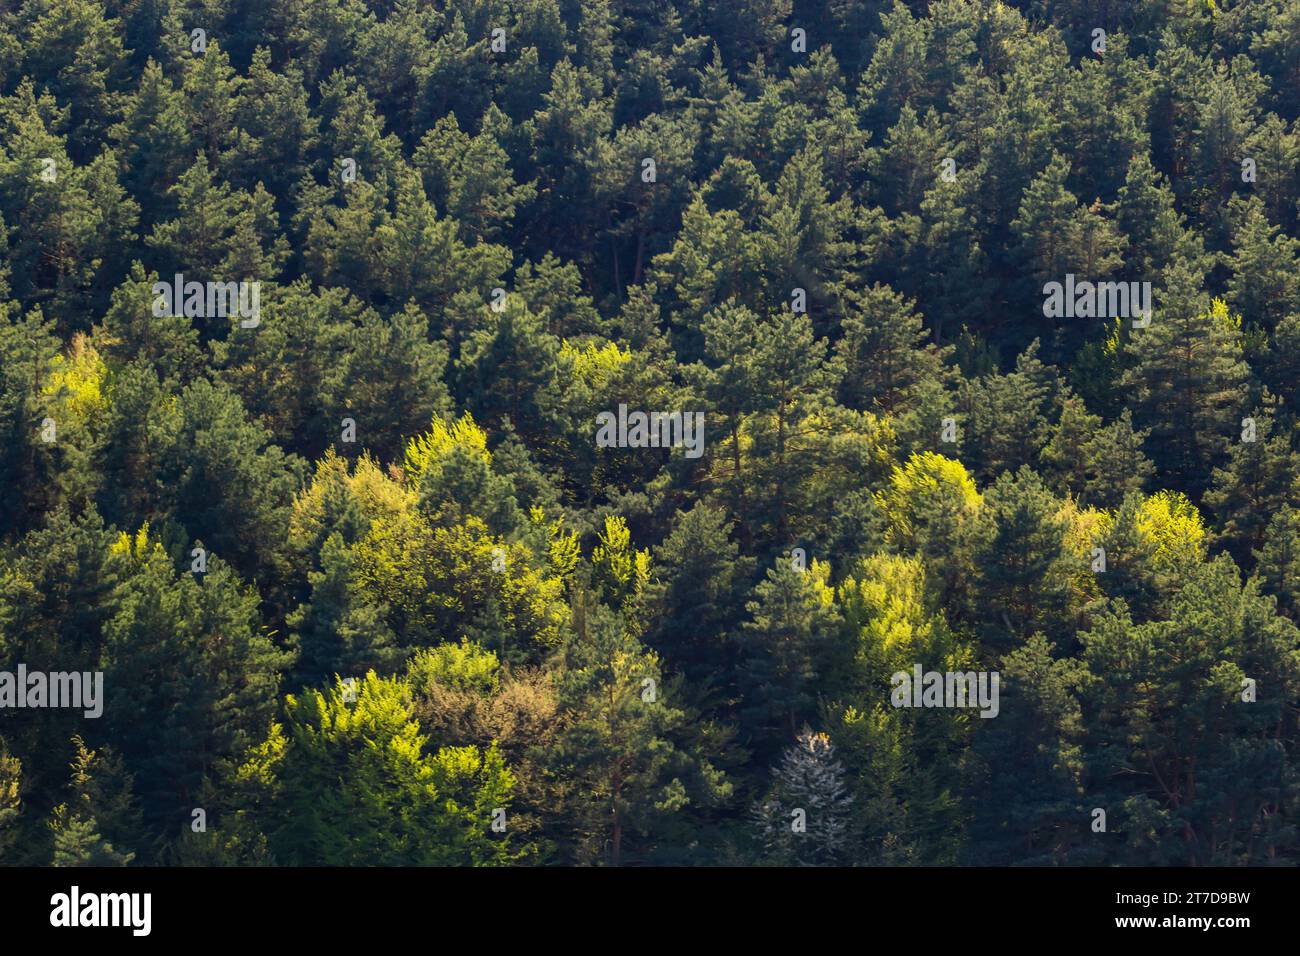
[(11, 805), (1020, 560), (100, 804), (783, 646), (1187, 380), (363, 586), (621, 745), (391, 801)]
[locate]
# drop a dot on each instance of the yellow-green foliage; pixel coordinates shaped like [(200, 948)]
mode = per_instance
[(879, 733), (818, 578), (463, 775), (563, 549), (1228, 320), (358, 777), (885, 600), (383, 709), (465, 666), (621, 567), (927, 485), (75, 384), (259, 769), (425, 453), (442, 581), (1083, 526), (1083, 529), (1112, 344), (10, 790), (1170, 522), (135, 547), (594, 367), (366, 483), (855, 444), (891, 619)]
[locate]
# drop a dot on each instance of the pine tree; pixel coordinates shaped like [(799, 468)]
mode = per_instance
[(190, 676), (57, 592), (152, 142), (884, 353), (1045, 225), (1020, 561), (696, 598), (1278, 561), (77, 50), (388, 379), (1258, 480), (279, 131), (1206, 777), (219, 234), (470, 178), (618, 748), (70, 225), (1157, 233), (788, 425), (287, 374), (1034, 815), (1060, 236), (1280, 361), (731, 387), (508, 366), (783, 646), (715, 259), (1006, 417), (132, 337), (1064, 461), (1187, 380), (11, 804), (100, 813), (1115, 463), (336, 630), (948, 274), (1225, 116), (905, 808), (1264, 287)]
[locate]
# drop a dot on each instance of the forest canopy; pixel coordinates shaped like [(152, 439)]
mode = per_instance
[(634, 432)]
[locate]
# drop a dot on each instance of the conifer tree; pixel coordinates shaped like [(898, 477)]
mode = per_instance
[(619, 747), (11, 804), (1040, 732), (1187, 380), (884, 353), (1278, 561), (100, 812), (805, 820), (189, 675), (696, 597), (1260, 478), (1116, 464), (219, 234), (1265, 265), (1177, 710), (783, 647), (1020, 560)]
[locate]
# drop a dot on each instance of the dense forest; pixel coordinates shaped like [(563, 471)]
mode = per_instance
[(547, 432)]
